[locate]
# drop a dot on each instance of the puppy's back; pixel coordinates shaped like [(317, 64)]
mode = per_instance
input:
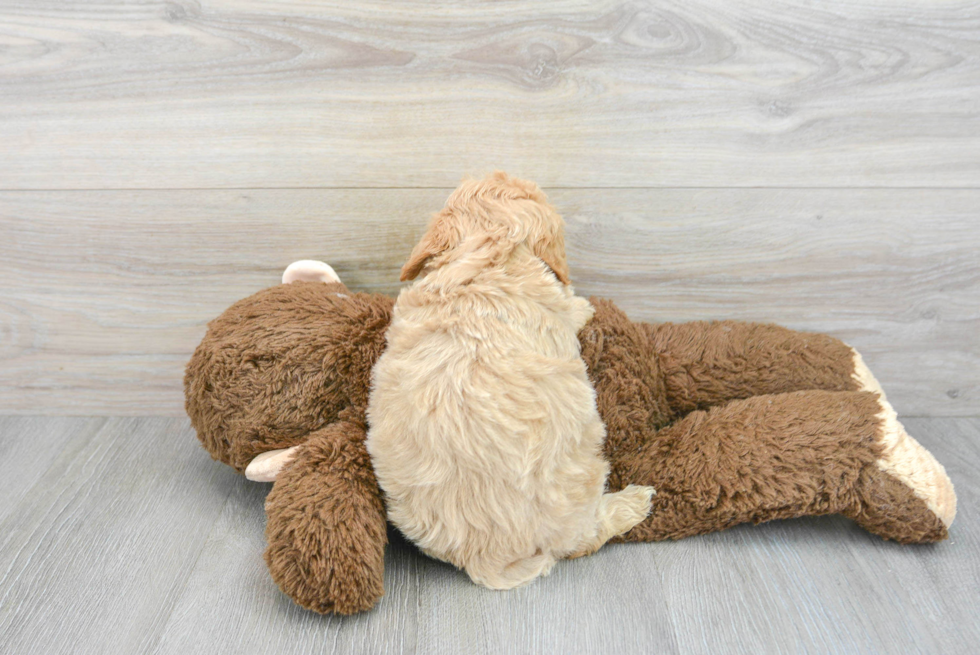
[(484, 432)]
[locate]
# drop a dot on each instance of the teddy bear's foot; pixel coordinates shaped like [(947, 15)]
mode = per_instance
[(903, 459), (888, 508), (309, 270), (265, 467)]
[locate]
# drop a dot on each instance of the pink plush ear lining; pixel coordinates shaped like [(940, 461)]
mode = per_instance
[(309, 270)]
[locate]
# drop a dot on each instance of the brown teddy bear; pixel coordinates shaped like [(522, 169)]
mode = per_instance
[(730, 422)]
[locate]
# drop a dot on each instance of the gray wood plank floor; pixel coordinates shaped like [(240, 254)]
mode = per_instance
[(122, 536)]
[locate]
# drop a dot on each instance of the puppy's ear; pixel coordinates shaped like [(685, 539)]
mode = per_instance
[(551, 250), (437, 239)]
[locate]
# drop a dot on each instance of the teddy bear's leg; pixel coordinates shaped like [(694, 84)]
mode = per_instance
[(788, 455), (706, 364), (710, 363), (326, 525)]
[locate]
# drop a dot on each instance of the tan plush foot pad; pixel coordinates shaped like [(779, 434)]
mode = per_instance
[(266, 467), (904, 459)]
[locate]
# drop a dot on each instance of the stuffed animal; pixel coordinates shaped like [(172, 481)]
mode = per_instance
[(730, 422)]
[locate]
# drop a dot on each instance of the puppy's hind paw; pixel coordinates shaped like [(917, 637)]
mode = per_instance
[(626, 508), (642, 496)]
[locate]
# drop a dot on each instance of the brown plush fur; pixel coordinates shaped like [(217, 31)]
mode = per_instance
[(710, 363), (730, 422), (707, 467), (326, 527), (282, 363), (785, 433)]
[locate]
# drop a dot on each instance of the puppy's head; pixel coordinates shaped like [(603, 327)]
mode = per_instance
[(493, 215)]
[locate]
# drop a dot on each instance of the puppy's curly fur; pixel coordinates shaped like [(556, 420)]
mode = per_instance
[(484, 431)]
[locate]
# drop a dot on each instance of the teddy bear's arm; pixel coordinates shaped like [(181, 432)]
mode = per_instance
[(326, 527), (788, 455), (705, 364)]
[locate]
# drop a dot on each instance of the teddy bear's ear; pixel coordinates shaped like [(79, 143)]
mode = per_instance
[(440, 237), (309, 270)]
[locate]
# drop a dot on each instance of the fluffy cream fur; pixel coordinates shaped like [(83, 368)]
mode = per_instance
[(484, 431)]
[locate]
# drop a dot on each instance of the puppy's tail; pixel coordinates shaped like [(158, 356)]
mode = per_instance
[(517, 573)]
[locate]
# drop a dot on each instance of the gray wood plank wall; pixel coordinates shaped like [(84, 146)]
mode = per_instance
[(107, 292), (813, 165), (290, 93)]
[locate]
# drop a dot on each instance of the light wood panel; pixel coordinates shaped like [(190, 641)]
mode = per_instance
[(318, 93), (104, 295), (133, 540)]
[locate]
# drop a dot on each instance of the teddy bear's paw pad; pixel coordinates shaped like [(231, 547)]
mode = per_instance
[(862, 375), (309, 270), (266, 467), (906, 460), (903, 457)]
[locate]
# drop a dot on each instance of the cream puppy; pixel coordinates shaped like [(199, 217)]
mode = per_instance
[(484, 432)]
